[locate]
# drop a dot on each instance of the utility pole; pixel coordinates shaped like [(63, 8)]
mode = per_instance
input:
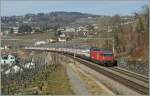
[(113, 44), (113, 40), (74, 46)]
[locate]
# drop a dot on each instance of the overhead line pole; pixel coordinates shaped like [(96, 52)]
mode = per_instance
[(74, 46)]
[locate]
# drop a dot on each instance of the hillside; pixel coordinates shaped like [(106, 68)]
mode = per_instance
[(128, 32), (59, 18)]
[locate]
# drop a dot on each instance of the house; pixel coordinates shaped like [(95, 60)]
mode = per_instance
[(25, 22), (69, 29), (89, 17), (62, 35), (4, 47), (62, 38), (40, 43), (15, 30), (82, 28), (61, 29), (51, 40), (95, 26), (7, 59)]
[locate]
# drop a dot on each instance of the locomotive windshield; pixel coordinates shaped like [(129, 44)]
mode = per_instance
[(108, 55)]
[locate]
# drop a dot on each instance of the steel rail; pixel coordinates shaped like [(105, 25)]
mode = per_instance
[(131, 74)]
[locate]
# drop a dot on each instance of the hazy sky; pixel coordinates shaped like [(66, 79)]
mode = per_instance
[(100, 7)]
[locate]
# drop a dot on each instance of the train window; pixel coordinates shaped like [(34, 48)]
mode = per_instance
[(108, 55)]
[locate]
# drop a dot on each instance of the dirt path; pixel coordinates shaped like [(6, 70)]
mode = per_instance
[(77, 84)]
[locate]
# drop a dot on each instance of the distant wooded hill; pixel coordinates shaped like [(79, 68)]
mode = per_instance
[(50, 19)]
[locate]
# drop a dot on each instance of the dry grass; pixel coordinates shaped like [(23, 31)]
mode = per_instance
[(38, 36), (57, 83), (93, 87)]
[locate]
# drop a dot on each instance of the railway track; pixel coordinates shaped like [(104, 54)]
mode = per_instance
[(133, 81), (131, 74), (142, 89)]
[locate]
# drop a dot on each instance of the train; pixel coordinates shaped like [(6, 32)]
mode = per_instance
[(103, 56), (100, 56)]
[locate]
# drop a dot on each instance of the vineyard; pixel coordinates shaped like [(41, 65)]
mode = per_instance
[(40, 73)]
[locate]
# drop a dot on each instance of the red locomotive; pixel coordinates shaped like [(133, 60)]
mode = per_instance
[(103, 56)]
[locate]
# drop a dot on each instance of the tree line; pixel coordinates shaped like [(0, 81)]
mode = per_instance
[(133, 36)]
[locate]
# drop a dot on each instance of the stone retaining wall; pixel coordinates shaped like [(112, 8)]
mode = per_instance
[(135, 66)]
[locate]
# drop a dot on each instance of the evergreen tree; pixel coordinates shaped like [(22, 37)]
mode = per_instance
[(25, 29)]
